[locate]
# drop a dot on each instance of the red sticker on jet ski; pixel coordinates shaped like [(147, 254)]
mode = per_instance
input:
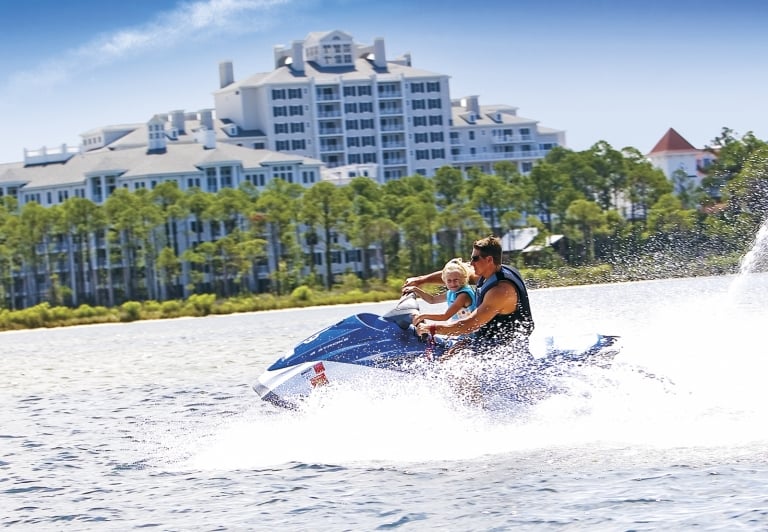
[(318, 380), (319, 367)]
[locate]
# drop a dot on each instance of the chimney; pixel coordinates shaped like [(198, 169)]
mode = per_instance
[(209, 139), (379, 55), (206, 118), (297, 55), (471, 104), (177, 121), (226, 74)]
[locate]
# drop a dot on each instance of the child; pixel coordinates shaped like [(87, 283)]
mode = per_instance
[(461, 298)]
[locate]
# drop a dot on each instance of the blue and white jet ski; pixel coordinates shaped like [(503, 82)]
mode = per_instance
[(361, 345)]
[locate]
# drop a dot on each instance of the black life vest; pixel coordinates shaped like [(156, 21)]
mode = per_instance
[(506, 327)]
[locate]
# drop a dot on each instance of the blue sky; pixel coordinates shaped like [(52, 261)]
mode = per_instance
[(622, 71)]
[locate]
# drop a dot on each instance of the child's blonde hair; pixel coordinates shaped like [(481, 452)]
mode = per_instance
[(456, 266)]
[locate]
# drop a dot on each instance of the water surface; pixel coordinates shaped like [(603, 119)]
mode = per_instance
[(154, 424)]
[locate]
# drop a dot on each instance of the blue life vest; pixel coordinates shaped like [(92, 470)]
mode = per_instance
[(451, 296)]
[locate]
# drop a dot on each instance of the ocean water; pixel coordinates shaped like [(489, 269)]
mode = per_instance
[(154, 425)]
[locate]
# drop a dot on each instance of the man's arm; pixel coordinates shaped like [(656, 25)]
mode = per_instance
[(434, 277), (501, 299), (437, 278)]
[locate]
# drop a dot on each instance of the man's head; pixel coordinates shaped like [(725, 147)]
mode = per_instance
[(489, 246)]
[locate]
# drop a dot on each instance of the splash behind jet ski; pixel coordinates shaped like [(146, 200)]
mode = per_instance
[(363, 345)]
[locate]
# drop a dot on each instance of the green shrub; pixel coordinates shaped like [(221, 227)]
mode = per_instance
[(153, 307), (170, 308), (59, 314), (131, 310), (85, 311), (302, 293), (202, 304)]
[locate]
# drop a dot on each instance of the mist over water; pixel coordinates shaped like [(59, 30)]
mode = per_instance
[(690, 376)]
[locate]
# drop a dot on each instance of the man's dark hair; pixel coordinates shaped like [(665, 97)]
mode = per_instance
[(489, 246)]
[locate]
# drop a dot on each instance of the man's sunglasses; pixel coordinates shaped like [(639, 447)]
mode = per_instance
[(475, 258)]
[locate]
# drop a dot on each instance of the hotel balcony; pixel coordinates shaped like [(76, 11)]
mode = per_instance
[(499, 156), (510, 139), (331, 147)]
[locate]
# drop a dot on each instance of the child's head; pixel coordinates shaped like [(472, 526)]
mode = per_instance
[(455, 274)]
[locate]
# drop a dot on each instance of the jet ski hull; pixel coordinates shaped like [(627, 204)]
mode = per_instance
[(364, 346)]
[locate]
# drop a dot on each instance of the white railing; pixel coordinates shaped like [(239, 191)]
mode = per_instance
[(499, 156), (506, 139)]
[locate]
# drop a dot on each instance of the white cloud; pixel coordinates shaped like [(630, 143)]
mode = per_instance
[(191, 21)]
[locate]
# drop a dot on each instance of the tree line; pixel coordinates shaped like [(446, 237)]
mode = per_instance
[(611, 205)]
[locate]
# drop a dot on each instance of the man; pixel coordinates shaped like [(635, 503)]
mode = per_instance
[(503, 314)]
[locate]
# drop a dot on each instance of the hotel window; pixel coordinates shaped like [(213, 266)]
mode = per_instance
[(351, 124), (350, 91), (278, 94), (436, 136), (369, 141), (281, 128), (422, 154), (350, 107), (367, 123), (418, 104), (369, 157), (436, 120), (308, 177), (279, 111), (419, 120), (296, 110), (353, 141), (366, 107), (417, 87), (294, 94), (354, 158), (297, 127), (433, 86), (299, 144), (364, 90), (438, 153), (282, 145), (434, 103), (283, 172), (420, 138), (226, 176)]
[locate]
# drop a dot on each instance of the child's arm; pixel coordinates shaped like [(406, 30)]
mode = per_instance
[(426, 296), (462, 300)]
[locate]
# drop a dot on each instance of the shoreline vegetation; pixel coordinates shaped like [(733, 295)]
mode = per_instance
[(351, 291)]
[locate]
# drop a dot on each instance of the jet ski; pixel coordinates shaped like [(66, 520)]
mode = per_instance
[(366, 346)]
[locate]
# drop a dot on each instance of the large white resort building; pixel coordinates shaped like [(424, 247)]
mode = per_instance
[(346, 104), (331, 109)]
